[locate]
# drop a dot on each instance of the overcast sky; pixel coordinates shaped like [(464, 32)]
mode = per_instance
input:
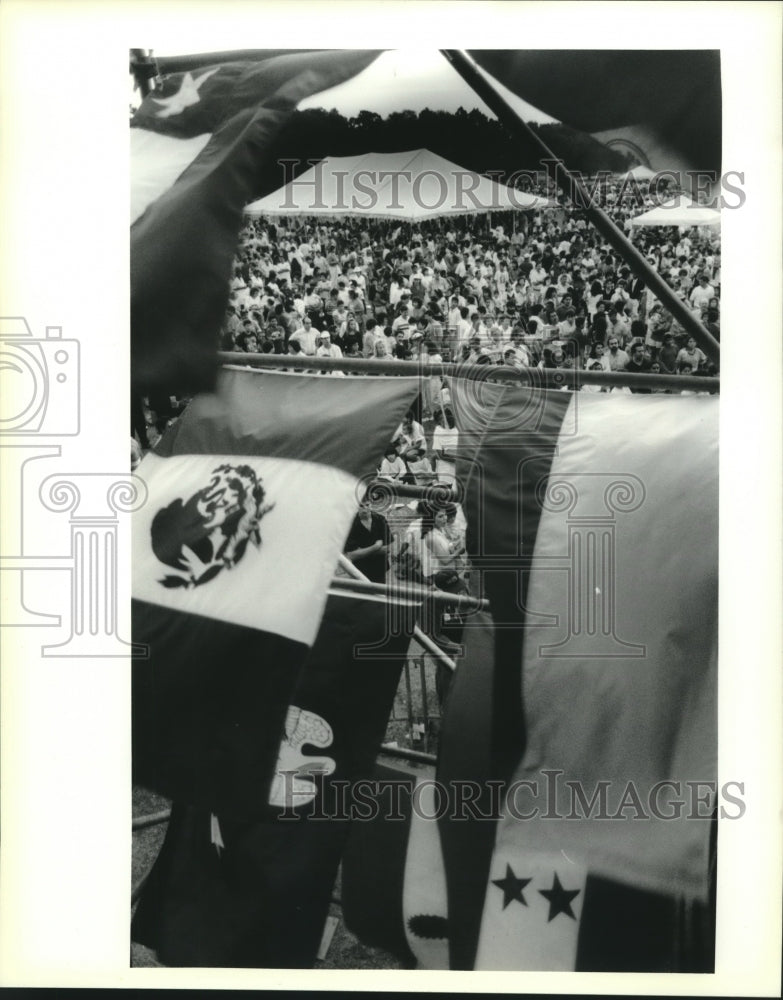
[(401, 80)]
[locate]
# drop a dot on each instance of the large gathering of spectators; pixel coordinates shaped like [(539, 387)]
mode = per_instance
[(551, 293), (543, 290)]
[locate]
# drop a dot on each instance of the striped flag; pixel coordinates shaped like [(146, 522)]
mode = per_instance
[(251, 495), (580, 728), (199, 146), (601, 570)]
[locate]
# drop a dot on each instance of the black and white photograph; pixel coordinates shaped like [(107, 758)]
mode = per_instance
[(429, 625)]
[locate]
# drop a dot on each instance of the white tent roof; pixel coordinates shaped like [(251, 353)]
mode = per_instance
[(411, 185), (639, 173), (679, 211)]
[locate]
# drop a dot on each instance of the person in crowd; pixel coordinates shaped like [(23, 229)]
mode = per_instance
[(409, 436), (372, 335), (618, 359), (392, 466), (655, 368), (690, 355), (380, 350), (368, 543), (441, 555), (594, 365), (667, 356), (638, 363), (419, 466), (248, 342), (702, 293), (307, 337), (326, 349)]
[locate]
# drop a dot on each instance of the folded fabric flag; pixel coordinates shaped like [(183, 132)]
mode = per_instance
[(667, 102), (251, 495), (198, 147), (261, 895)]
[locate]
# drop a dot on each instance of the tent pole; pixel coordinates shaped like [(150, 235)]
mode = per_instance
[(573, 188)]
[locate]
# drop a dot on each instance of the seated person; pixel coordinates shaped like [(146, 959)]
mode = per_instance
[(409, 435), (420, 466), (392, 466)]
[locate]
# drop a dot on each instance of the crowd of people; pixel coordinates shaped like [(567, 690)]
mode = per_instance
[(543, 289), (550, 294)]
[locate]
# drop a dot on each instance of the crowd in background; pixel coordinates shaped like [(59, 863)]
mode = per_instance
[(547, 291), (539, 289)]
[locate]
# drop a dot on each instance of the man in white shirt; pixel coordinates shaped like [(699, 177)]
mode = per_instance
[(326, 349), (409, 435), (306, 336), (401, 325), (702, 293)]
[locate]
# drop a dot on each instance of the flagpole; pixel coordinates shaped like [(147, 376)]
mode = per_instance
[(539, 378), (412, 592), (143, 68), (571, 185), (423, 640)]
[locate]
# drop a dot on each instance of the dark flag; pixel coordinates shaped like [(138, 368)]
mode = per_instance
[(665, 102), (226, 893), (199, 144)]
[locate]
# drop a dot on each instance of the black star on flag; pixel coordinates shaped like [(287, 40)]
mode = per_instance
[(512, 887), (559, 899)]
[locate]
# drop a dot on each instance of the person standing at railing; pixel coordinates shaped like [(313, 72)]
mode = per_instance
[(368, 542)]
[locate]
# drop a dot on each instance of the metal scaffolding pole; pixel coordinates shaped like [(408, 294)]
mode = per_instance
[(539, 378)]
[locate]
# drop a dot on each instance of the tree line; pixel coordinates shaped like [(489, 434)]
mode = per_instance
[(468, 138)]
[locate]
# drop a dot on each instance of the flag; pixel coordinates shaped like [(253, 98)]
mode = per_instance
[(251, 495), (199, 145), (601, 570), (374, 864), (262, 898), (664, 102), (581, 722)]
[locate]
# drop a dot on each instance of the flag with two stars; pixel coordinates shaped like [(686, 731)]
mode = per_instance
[(587, 696), (199, 145)]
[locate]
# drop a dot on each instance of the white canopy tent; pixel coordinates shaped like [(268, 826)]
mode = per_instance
[(412, 185), (679, 211), (639, 173)]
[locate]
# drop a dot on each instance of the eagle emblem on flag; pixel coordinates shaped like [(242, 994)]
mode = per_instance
[(210, 531)]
